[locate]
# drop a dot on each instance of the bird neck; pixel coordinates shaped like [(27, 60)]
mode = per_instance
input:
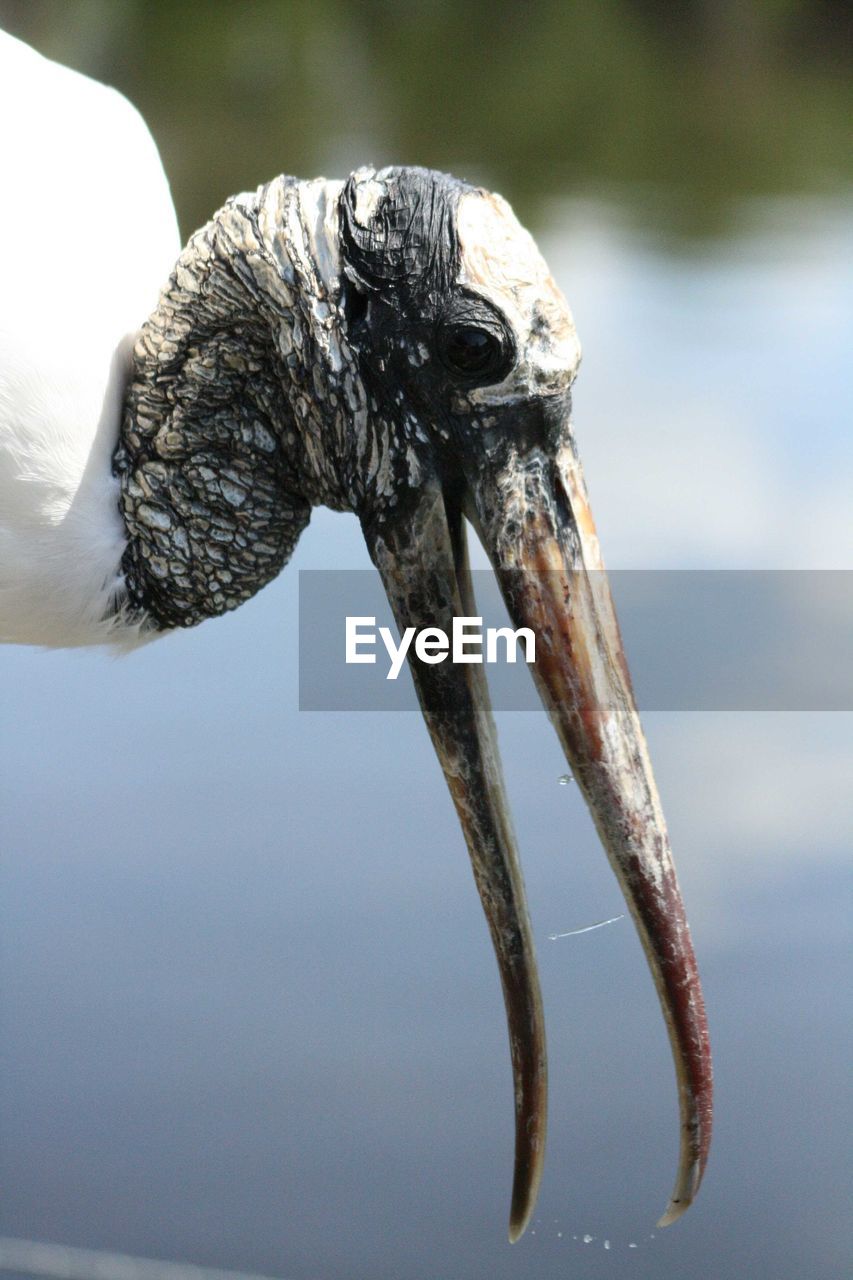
[(235, 421)]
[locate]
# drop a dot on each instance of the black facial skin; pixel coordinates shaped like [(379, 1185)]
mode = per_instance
[(413, 327), (431, 348), (423, 340)]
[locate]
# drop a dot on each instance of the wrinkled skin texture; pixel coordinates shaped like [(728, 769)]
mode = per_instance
[(395, 346)]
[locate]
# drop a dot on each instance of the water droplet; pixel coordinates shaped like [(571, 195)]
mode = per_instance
[(607, 1244), (588, 1239), (564, 779), (559, 1235)]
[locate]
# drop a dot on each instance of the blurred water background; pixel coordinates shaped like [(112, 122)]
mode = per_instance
[(250, 1016)]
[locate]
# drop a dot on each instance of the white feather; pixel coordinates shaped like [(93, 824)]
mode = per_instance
[(88, 236)]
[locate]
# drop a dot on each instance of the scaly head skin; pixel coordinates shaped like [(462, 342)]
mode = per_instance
[(395, 346)]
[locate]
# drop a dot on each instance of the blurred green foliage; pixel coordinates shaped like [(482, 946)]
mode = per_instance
[(679, 111)]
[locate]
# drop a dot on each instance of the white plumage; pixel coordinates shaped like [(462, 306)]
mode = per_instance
[(88, 236)]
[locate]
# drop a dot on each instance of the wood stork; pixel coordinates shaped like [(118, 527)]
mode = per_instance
[(391, 345)]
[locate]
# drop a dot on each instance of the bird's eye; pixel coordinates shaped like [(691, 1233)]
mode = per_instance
[(470, 351)]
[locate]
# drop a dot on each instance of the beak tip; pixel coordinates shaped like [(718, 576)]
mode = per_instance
[(673, 1212), (517, 1229), (523, 1204), (685, 1193)]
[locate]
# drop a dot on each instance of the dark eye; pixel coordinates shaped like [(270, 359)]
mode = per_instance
[(470, 351)]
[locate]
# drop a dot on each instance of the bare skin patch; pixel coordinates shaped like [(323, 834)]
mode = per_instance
[(500, 261)]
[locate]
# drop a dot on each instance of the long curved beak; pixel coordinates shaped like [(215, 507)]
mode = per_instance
[(532, 515), (534, 519), (423, 563)]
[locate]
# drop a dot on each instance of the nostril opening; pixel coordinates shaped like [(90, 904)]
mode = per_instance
[(354, 304)]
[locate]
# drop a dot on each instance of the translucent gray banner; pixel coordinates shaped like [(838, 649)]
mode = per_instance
[(696, 640)]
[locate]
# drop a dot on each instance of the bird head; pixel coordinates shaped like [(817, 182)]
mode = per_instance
[(415, 365)]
